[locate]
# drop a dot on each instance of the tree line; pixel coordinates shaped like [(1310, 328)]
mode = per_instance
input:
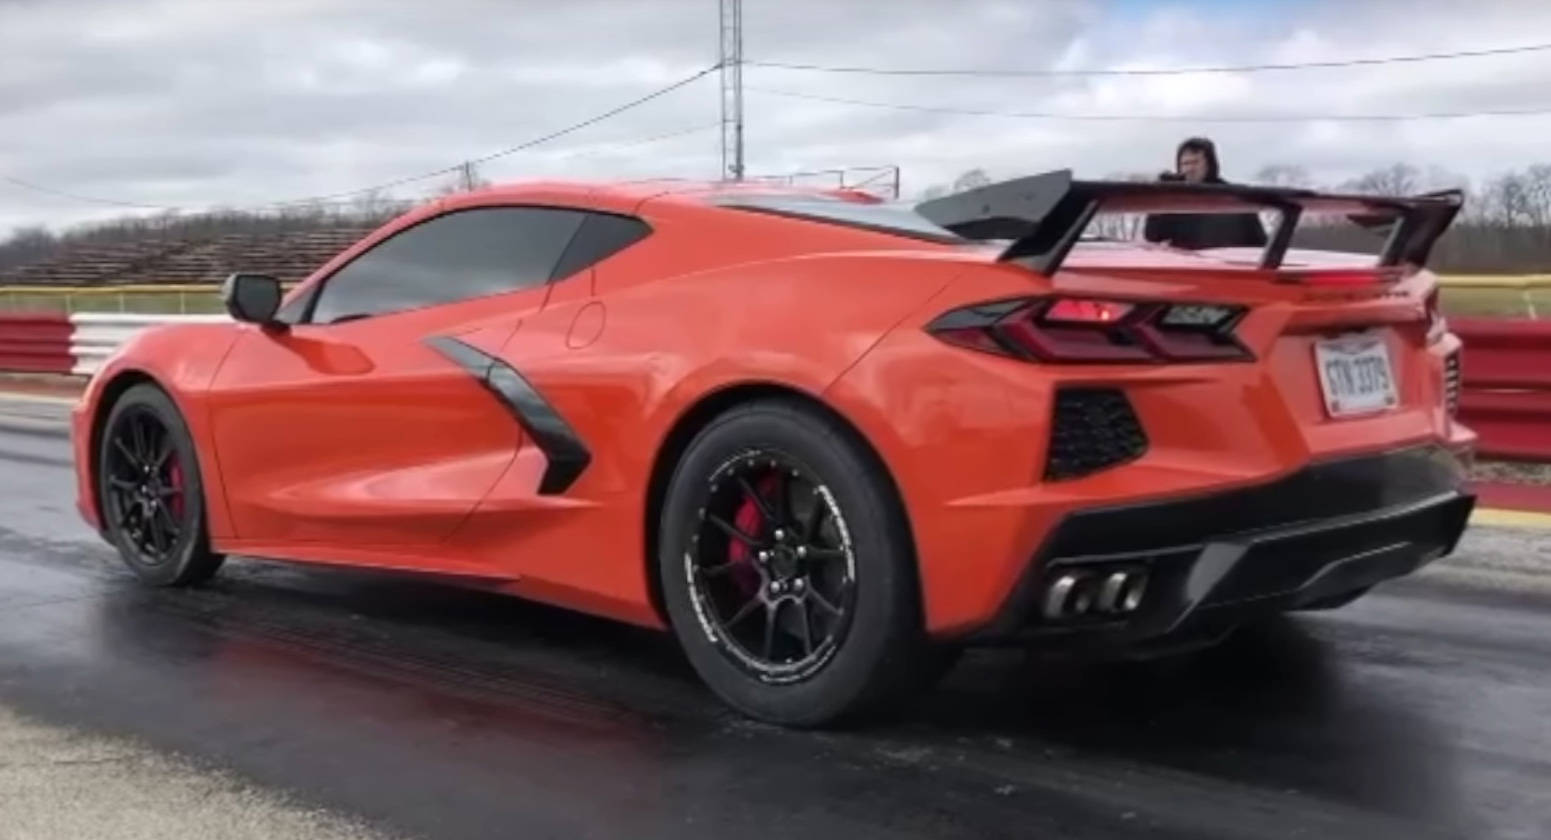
[(37, 243), (1504, 228)]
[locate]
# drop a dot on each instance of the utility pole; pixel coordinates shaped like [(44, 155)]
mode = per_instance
[(467, 179), (731, 12)]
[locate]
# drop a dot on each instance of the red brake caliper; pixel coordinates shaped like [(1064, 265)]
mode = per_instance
[(749, 521)]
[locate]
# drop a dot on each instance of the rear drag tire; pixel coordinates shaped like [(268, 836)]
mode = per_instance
[(882, 660)]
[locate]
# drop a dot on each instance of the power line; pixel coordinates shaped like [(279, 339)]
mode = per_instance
[(1040, 115), (537, 141), (38, 188), (335, 197), (629, 144), (1179, 71), (468, 178)]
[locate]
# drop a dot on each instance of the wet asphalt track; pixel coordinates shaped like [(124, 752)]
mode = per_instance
[(1421, 712)]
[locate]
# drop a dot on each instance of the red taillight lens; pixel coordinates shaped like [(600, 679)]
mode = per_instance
[(1064, 329), (1077, 311)]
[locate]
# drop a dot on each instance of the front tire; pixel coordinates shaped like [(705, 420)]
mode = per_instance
[(787, 569), (151, 491)]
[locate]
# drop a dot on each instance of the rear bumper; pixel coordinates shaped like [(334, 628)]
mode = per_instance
[(1329, 529)]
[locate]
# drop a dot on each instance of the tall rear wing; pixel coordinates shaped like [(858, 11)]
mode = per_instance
[(1045, 214)]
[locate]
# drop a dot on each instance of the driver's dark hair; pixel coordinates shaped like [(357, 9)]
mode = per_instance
[(1206, 148)]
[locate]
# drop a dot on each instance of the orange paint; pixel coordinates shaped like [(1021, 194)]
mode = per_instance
[(356, 443)]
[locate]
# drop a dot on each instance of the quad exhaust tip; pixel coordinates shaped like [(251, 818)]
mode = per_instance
[(1076, 594)]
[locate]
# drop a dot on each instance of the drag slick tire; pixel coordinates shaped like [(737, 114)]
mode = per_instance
[(787, 571), (151, 492)]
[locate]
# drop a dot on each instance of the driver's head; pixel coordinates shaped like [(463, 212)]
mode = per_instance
[(1196, 160)]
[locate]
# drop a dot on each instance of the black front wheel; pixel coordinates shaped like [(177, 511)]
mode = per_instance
[(787, 569), (151, 492)]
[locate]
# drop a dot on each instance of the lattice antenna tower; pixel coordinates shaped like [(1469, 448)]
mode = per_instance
[(731, 12)]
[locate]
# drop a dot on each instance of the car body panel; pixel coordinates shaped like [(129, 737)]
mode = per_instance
[(360, 443), (967, 452), (340, 434), (182, 359)]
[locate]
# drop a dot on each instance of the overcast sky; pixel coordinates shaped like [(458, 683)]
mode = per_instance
[(192, 103)]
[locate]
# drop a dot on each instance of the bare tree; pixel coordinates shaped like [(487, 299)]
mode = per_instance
[(970, 180), (465, 178), (1284, 175), (370, 203), (1505, 225), (1399, 179)]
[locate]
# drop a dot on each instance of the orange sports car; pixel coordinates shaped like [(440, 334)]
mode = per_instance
[(826, 440)]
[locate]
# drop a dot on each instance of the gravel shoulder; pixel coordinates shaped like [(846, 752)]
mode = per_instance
[(57, 784)]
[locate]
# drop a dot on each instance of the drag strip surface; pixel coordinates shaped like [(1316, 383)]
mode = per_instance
[(428, 711)]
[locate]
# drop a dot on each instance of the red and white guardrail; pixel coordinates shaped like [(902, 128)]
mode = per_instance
[(1506, 367), (73, 344)]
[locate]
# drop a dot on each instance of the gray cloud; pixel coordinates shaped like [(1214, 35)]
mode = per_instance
[(192, 103)]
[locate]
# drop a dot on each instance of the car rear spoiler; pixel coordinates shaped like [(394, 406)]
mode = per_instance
[(1045, 214)]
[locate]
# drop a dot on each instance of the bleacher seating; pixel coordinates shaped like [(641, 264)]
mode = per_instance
[(289, 256)]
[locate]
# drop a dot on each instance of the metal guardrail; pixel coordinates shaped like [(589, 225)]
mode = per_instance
[(1506, 386), (1532, 292), (94, 336), (35, 343), (1505, 367)]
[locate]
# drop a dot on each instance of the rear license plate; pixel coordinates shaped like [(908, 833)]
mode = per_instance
[(1355, 375)]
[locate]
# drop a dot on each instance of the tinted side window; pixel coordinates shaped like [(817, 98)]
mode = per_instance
[(602, 236), (462, 255)]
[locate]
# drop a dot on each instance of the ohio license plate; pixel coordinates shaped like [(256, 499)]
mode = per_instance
[(1355, 375)]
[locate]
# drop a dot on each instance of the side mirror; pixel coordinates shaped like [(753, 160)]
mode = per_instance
[(252, 298)]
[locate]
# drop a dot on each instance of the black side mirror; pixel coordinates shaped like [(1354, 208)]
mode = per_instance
[(252, 298)]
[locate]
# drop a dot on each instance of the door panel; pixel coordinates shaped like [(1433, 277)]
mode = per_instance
[(358, 433), (379, 419)]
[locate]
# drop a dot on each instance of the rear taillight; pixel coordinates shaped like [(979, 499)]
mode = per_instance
[(1068, 329)]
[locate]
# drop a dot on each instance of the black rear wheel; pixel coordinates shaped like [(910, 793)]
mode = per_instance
[(787, 570), (781, 590), (151, 491)]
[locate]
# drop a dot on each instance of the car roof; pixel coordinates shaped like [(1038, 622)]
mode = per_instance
[(627, 196), (621, 197)]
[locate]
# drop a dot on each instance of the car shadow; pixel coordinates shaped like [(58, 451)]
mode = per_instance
[(1274, 707)]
